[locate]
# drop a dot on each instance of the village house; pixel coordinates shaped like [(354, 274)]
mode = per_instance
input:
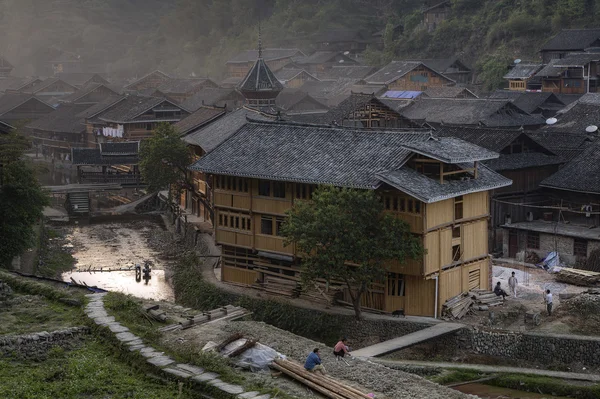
[(82, 79), (14, 84), (229, 98), (470, 112), (408, 75), (275, 58), (569, 41), (333, 92), (16, 108), (296, 101), (93, 135), (580, 117), (66, 62), (449, 92), (321, 61), (109, 163), (451, 67), (436, 13), (294, 78), (350, 41), (150, 81), (568, 221), (347, 72), (5, 67), (50, 88), (182, 89), (545, 104), (522, 159), (522, 77), (91, 94), (575, 73), (437, 185), (134, 118), (379, 36)]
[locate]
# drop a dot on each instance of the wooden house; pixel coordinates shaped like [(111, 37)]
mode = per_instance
[(576, 73), (470, 112), (5, 67), (578, 117), (521, 77), (56, 133), (215, 97), (436, 185), (523, 159), (152, 80), (109, 163), (347, 72), (569, 41), (352, 41), (436, 14), (379, 36), (296, 101), (321, 61), (82, 79), (449, 92), (408, 75), (333, 92), (567, 222), (294, 78), (276, 58), (182, 89), (93, 127), (93, 93), (51, 87), (18, 85), (452, 68), (15, 107), (134, 118), (66, 63)]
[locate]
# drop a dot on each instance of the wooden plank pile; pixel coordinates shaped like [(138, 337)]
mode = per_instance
[(228, 312), (322, 384), (484, 299), (583, 278), (457, 307)]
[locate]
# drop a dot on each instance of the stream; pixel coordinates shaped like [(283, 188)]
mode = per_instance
[(490, 392)]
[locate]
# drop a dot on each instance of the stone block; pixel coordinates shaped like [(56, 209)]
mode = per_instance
[(117, 328), (205, 377), (190, 369), (126, 336), (248, 395), (177, 373), (161, 361), (231, 389), (135, 342), (134, 348)]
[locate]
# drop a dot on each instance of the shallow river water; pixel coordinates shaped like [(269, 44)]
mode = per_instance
[(118, 246)]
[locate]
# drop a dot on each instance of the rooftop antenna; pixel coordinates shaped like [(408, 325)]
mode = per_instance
[(259, 40)]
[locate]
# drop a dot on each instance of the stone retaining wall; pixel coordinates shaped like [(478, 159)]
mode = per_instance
[(37, 345)]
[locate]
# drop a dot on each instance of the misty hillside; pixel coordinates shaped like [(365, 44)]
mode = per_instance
[(126, 37)]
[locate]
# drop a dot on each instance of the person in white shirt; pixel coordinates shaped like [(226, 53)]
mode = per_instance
[(512, 284), (548, 301)]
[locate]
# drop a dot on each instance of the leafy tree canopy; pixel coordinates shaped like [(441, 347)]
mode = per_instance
[(344, 226), (164, 159), (22, 199)]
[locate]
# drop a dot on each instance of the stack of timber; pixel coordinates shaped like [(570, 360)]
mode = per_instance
[(280, 285), (228, 312), (484, 299), (583, 278), (324, 385), (457, 307)]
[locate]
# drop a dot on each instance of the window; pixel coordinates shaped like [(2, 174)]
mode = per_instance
[(456, 254), (533, 240), (264, 188), (395, 284), (278, 189), (148, 126), (278, 224), (458, 208), (234, 221), (456, 232), (402, 205), (304, 191), (580, 248), (395, 205), (266, 225)]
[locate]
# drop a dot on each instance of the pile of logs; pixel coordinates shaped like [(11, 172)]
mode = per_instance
[(457, 307), (322, 384), (484, 299), (228, 312), (578, 277)]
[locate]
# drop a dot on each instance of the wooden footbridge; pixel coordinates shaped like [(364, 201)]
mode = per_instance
[(78, 195)]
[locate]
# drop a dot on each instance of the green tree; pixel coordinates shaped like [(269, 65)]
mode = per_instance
[(22, 199), (345, 235), (164, 159)]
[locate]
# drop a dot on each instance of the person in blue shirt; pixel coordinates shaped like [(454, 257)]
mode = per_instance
[(313, 362)]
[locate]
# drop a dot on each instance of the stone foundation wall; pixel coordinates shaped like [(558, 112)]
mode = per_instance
[(37, 345)]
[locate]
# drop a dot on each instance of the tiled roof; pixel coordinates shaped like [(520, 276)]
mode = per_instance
[(84, 91), (211, 136), (339, 35), (577, 60), (565, 145), (505, 94), (93, 156), (260, 79), (12, 83), (442, 65), (309, 154), (392, 71), (210, 96), (572, 39), (199, 118), (550, 70), (173, 85), (523, 160), (10, 101), (523, 71), (321, 57), (582, 174), (47, 83), (577, 116), (396, 105), (130, 108), (161, 75), (290, 97), (103, 105), (120, 148), (4, 64), (343, 110), (64, 119), (346, 72), (430, 190), (451, 150), (449, 92), (286, 74), (531, 101), (492, 139), (268, 54), (81, 78)]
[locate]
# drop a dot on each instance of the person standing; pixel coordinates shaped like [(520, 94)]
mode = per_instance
[(313, 362), (512, 284), (548, 300)]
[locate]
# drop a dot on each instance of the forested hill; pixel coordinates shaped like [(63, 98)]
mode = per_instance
[(185, 36)]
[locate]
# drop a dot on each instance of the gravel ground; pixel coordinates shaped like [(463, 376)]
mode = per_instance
[(381, 380)]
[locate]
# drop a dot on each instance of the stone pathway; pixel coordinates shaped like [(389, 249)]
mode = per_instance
[(494, 369), (185, 372)]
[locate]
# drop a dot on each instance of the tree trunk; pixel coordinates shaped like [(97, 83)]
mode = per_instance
[(356, 303)]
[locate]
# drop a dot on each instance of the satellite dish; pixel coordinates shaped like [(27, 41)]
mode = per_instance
[(591, 129), (341, 61), (346, 52), (517, 61), (551, 121)]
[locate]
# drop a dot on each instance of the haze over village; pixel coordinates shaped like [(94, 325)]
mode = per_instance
[(260, 199)]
